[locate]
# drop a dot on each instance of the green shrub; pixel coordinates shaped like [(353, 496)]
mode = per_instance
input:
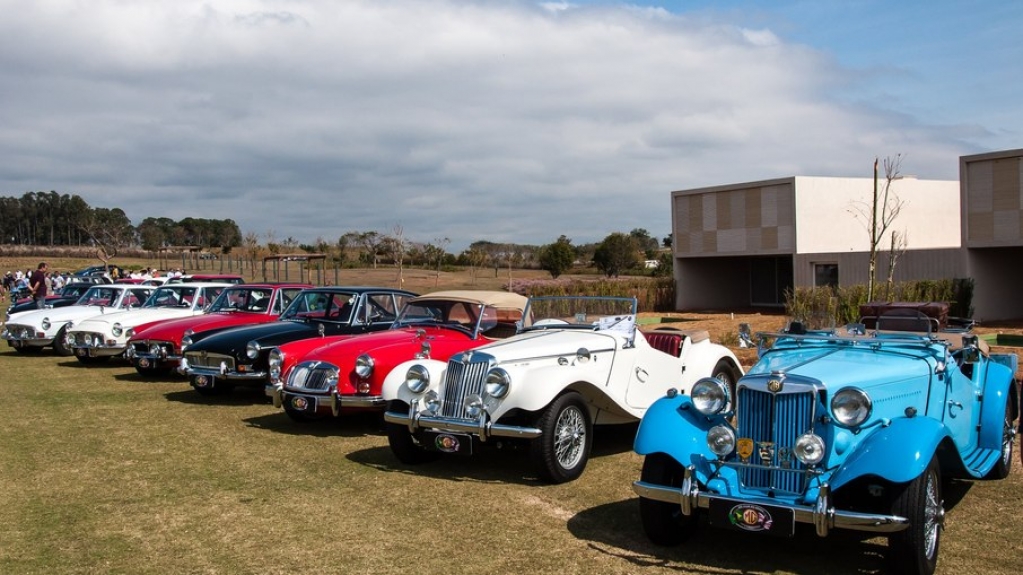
[(823, 307)]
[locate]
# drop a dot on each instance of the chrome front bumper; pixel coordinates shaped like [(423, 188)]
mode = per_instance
[(279, 395), (822, 515), (481, 427)]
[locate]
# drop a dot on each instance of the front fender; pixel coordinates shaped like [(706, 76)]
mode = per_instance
[(673, 426), (899, 452), (394, 384)]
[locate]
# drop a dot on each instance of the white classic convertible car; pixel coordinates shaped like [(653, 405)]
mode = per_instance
[(576, 362), (101, 337), (30, 331)]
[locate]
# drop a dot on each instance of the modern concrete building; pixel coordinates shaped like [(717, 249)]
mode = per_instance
[(745, 244), (742, 245), (992, 224)]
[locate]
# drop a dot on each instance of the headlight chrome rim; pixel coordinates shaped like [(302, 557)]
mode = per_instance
[(364, 365), (417, 379), (851, 406), (809, 449), (46, 325), (117, 329), (721, 440), (710, 396), (498, 383), (252, 349), (276, 362)]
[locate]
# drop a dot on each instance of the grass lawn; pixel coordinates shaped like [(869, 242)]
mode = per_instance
[(102, 471)]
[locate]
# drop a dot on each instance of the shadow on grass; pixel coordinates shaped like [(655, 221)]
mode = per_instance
[(493, 462), (354, 425), (615, 530), (239, 396)]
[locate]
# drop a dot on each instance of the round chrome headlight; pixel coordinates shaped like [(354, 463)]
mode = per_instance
[(186, 341), (46, 324), (721, 440), (498, 383), (710, 396), (252, 349), (364, 366), (432, 402), (117, 330), (473, 405), (809, 449), (851, 406), (276, 360), (417, 379)]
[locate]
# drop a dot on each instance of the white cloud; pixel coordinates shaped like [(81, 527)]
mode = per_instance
[(503, 121)]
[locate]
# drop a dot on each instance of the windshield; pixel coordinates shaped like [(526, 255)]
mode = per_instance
[(100, 296), (176, 296), (321, 305), (446, 312), (598, 313), (249, 299)]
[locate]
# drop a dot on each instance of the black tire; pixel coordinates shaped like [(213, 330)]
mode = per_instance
[(60, 346), (664, 523), (1004, 466), (563, 448), (403, 445), (728, 373), (914, 550)]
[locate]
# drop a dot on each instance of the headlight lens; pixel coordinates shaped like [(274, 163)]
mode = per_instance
[(721, 440), (809, 449), (851, 406), (432, 402), (46, 324), (364, 366), (473, 405), (710, 396), (417, 379), (117, 330), (252, 349), (276, 360), (186, 341), (498, 383)]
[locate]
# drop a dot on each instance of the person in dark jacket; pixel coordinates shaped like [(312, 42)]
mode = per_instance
[(37, 285)]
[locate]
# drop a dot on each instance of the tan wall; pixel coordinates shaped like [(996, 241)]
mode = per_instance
[(992, 200), (749, 219)]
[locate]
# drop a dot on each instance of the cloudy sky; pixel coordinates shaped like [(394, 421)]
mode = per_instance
[(486, 120)]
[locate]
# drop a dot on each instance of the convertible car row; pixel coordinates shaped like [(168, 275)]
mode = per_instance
[(851, 428)]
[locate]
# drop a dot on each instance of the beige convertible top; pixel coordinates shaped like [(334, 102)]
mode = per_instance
[(496, 299)]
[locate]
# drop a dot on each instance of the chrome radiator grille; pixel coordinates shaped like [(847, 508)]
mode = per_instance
[(465, 376), (209, 360), (313, 375), (773, 421)]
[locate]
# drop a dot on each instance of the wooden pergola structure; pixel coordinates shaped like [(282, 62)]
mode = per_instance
[(306, 262)]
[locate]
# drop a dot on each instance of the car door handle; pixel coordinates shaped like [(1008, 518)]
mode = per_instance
[(952, 403), (641, 374)]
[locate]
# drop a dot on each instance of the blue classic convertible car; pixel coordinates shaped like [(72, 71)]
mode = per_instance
[(842, 429)]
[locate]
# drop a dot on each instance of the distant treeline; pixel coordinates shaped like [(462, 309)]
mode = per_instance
[(52, 219)]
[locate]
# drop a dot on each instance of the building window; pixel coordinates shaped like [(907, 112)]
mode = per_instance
[(825, 275)]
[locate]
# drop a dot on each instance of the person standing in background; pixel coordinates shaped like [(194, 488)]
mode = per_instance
[(37, 285)]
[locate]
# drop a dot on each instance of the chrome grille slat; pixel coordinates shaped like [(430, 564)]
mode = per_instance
[(212, 360), (778, 419), (313, 376)]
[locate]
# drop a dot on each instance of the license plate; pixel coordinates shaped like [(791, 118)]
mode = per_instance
[(303, 403), (447, 442), (752, 517)]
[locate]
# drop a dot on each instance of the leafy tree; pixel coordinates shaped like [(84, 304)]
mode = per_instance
[(557, 257), (617, 253), (644, 242), (108, 231)]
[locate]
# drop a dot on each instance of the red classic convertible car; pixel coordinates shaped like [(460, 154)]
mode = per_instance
[(318, 377), (157, 348)]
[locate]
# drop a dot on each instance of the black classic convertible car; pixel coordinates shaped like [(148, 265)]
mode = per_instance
[(239, 356)]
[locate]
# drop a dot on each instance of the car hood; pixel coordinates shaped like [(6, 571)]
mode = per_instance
[(861, 365), (61, 314), (133, 318), (174, 329), (552, 343), (402, 342), (268, 335)]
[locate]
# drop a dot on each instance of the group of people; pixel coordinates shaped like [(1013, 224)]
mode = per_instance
[(36, 284)]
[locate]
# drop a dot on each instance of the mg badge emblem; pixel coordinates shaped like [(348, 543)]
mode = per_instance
[(744, 446), (765, 449), (774, 385), (466, 357)]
